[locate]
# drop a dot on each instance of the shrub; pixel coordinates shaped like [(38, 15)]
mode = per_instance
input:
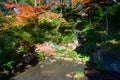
[(8, 44), (41, 55)]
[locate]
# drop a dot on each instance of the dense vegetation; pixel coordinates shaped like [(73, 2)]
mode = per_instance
[(96, 22)]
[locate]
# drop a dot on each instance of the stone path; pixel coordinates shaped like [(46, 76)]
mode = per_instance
[(56, 68)]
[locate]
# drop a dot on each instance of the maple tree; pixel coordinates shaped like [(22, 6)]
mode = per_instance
[(25, 12), (28, 15)]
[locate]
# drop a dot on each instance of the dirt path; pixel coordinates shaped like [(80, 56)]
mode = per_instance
[(53, 70)]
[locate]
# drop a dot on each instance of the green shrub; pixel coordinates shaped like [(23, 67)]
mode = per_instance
[(86, 58), (41, 55), (79, 74), (8, 47), (91, 33), (9, 65), (90, 47), (73, 54)]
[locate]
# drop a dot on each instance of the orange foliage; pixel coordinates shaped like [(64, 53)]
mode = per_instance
[(8, 5), (25, 12), (40, 8), (85, 1), (81, 1), (50, 15)]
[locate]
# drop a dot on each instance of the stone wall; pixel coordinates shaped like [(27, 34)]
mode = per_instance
[(109, 60)]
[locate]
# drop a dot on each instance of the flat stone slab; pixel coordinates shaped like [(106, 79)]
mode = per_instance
[(56, 70)]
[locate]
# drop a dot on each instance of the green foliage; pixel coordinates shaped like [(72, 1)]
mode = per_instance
[(67, 37), (100, 65), (49, 23), (114, 18), (79, 74), (112, 45), (90, 47), (87, 28), (11, 18), (85, 56), (101, 13), (15, 40), (86, 59), (56, 9), (67, 33), (60, 51), (8, 50), (30, 2), (94, 35), (22, 49), (73, 54), (9, 64), (26, 36), (111, 10), (7, 46), (49, 29), (91, 33), (41, 55)]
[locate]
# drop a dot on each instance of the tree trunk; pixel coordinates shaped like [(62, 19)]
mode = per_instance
[(15, 1), (72, 3), (107, 27), (36, 25), (36, 20), (35, 3)]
